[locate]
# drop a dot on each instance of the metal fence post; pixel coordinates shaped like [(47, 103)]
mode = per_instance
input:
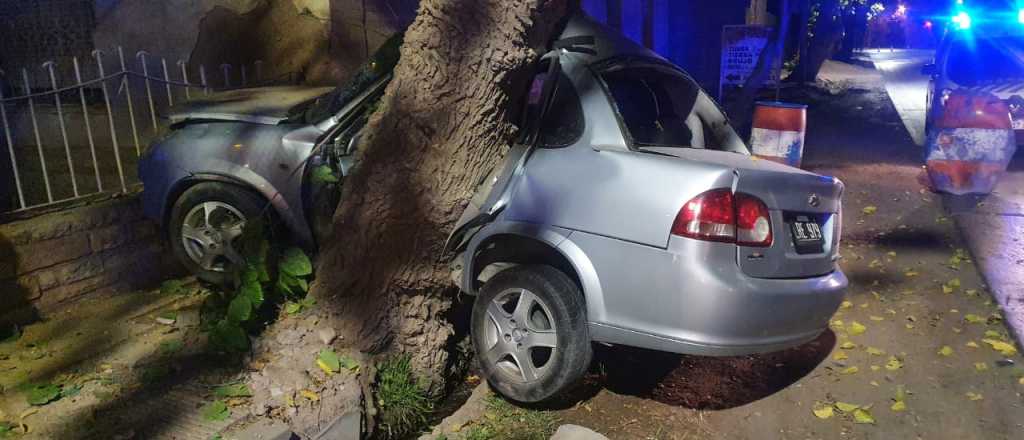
[(110, 117), (167, 82), (202, 79), (226, 68), (184, 77), (63, 129), (10, 145), (141, 56), (88, 127), (35, 130), (128, 94)]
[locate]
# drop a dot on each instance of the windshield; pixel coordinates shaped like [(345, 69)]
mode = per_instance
[(323, 107), (659, 107), (978, 61)]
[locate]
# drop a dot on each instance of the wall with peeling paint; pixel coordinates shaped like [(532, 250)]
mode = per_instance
[(316, 41)]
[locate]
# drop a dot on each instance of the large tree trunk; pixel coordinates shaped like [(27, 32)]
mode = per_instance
[(828, 34), (444, 122)]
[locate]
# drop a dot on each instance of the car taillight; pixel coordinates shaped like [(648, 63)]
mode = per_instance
[(717, 215), (753, 223), (709, 216)]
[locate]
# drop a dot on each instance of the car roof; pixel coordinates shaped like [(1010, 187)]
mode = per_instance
[(596, 42)]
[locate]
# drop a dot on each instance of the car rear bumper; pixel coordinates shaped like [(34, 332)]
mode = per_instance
[(692, 298)]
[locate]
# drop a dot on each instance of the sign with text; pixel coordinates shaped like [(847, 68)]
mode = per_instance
[(741, 48)]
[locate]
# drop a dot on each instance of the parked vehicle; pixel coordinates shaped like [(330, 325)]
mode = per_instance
[(629, 212), (983, 58)]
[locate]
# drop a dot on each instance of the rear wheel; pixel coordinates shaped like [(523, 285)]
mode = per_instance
[(530, 332), (204, 226)]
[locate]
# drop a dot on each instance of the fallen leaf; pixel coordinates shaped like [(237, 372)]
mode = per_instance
[(957, 330), (216, 411), (856, 328), (846, 407), (870, 210), (846, 304), (972, 344), (947, 289), (1005, 348), (839, 356), (946, 350), (239, 390), (973, 319), (974, 396), (981, 366), (875, 351), (328, 361), (310, 395), (993, 334), (875, 368), (891, 253), (874, 383), (898, 406), (847, 345), (836, 324), (893, 364), (910, 273), (876, 318), (971, 292), (823, 412), (863, 416), (849, 370), (875, 263), (1021, 381)]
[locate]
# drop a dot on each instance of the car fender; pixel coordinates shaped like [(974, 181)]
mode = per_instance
[(231, 173), (558, 239)]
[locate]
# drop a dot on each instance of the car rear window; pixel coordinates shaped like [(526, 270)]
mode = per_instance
[(657, 106), (976, 61)]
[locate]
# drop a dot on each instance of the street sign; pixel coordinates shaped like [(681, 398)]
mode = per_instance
[(741, 47)]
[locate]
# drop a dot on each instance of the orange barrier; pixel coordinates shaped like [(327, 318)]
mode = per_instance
[(778, 132)]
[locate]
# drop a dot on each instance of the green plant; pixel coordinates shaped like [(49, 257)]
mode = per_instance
[(216, 411), (403, 400), (504, 420), (42, 394), (268, 278)]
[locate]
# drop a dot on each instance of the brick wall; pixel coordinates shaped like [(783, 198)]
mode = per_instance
[(50, 260)]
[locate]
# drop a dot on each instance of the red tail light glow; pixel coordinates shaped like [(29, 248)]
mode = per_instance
[(718, 215)]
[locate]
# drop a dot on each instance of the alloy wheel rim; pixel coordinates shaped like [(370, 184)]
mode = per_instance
[(520, 335), (208, 235)]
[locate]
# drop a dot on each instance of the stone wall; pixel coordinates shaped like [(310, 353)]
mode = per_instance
[(50, 260)]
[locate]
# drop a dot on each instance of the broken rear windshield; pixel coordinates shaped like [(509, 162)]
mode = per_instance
[(979, 61), (658, 106)]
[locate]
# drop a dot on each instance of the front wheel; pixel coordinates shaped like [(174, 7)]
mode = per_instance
[(530, 332), (204, 227)]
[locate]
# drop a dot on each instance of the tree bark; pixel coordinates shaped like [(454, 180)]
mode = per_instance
[(828, 33), (443, 123)]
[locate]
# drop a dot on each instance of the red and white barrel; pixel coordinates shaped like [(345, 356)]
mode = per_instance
[(971, 145), (779, 131)]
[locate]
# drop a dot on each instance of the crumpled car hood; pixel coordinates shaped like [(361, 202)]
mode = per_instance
[(263, 105)]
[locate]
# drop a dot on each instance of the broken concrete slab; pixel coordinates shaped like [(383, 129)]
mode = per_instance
[(576, 432)]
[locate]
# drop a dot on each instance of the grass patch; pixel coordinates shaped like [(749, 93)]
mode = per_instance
[(403, 399), (504, 420)]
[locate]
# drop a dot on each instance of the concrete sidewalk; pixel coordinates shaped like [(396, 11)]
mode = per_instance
[(993, 227), (907, 87)]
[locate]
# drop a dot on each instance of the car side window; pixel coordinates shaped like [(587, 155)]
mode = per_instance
[(563, 124)]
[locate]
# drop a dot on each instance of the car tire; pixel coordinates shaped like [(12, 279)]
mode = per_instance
[(520, 313), (222, 205)]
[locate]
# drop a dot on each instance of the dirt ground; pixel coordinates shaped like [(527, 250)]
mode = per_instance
[(126, 366), (918, 326)]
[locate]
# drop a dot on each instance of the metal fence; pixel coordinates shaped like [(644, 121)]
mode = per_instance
[(78, 137)]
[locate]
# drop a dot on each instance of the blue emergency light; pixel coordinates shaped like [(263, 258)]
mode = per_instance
[(963, 20)]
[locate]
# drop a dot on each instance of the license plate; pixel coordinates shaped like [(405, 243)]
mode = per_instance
[(807, 237)]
